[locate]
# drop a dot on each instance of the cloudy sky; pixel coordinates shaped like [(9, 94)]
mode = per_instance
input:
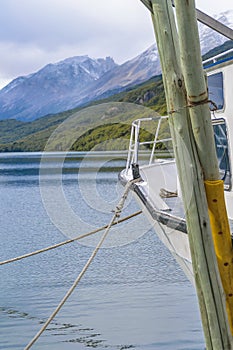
[(36, 32)]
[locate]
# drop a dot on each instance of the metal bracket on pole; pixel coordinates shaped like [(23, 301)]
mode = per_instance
[(204, 19), (148, 4), (214, 24)]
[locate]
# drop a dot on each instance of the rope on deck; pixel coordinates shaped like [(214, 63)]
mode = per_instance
[(116, 215)]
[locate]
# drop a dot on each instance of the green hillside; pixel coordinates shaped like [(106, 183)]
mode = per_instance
[(84, 128), (116, 136), (102, 125), (224, 47)]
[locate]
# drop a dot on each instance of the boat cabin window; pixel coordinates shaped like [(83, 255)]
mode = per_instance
[(215, 86), (221, 144)]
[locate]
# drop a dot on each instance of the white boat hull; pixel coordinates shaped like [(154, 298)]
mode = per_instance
[(170, 228)]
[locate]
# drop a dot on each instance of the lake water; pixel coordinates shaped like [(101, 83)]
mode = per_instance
[(134, 295)]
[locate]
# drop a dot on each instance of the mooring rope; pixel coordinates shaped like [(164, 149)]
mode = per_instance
[(68, 240), (116, 215)]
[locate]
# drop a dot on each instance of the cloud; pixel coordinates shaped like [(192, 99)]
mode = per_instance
[(54, 23), (36, 32)]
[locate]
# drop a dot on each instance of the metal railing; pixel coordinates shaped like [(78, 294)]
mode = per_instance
[(216, 57), (135, 146)]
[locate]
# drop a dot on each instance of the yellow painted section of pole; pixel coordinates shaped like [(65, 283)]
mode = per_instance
[(222, 240)]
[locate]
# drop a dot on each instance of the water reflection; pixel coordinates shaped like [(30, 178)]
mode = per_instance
[(133, 296), (72, 333)]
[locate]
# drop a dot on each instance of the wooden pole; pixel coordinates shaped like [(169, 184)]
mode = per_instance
[(197, 94), (208, 284), (197, 98)]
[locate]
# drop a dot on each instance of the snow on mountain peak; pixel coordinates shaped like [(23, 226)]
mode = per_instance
[(210, 39), (80, 79), (94, 67)]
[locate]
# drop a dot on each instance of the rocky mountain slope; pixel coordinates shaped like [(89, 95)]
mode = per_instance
[(91, 122), (79, 80), (51, 89)]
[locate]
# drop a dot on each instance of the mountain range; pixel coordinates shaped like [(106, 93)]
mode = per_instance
[(79, 80)]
